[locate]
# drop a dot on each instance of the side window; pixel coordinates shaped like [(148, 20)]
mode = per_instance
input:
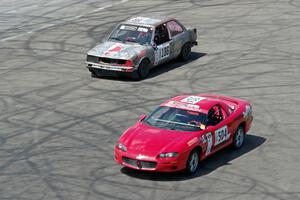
[(161, 35), (174, 28), (215, 116)]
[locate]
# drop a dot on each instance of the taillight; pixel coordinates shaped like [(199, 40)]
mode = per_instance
[(128, 63)]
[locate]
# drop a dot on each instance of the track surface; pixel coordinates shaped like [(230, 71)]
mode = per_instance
[(59, 125)]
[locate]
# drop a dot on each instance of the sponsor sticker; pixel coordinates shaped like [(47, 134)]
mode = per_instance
[(221, 135), (207, 138), (184, 106), (192, 141), (128, 27), (142, 29), (192, 99), (202, 126)]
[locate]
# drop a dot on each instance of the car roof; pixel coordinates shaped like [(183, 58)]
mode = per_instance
[(196, 102), (148, 21)]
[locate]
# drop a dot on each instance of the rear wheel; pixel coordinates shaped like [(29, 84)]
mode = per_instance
[(238, 138), (192, 162), (143, 69), (185, 52)]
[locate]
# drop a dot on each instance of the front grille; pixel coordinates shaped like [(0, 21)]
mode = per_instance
[(140, 163), (113, 61), (95, 59)]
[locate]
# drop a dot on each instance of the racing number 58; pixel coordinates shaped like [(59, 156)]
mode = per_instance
[(221, 135)]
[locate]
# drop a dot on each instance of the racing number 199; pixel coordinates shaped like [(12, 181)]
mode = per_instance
[(164, 51)]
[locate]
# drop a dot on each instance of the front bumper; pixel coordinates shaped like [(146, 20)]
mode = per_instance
[(149, 163), (102, 66)]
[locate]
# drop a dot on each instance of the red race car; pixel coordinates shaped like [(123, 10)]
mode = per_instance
[(183, 131)]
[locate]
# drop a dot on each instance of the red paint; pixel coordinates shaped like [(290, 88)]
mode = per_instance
[(145, 142), (113, 50)]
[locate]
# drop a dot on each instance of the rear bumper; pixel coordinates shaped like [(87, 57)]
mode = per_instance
[(168, 165), (107, 67)]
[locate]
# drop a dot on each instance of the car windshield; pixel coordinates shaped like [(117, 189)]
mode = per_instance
[(131, 33), (176, 119)]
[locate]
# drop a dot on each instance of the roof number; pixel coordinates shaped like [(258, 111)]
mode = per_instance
[(192, 99)]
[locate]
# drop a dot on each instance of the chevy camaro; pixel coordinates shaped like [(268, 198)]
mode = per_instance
[(139, 44), (183, 131)]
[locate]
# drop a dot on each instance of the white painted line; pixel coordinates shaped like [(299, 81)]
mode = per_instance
[(66, 20), (12, 37), (41, 28)]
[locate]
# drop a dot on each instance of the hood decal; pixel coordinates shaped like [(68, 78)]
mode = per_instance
[(117, 50), (113, 50)]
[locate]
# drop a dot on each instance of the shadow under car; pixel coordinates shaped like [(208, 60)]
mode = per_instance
[(219, 159)]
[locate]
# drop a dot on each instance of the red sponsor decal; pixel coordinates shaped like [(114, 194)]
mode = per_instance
[(185, 106), (113, 50)]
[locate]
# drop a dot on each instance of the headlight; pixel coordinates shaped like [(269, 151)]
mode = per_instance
[(122, 147), (168, 155)]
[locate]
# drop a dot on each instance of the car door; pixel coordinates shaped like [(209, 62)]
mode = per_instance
[(220, 128), (162, 43), (178, 36)]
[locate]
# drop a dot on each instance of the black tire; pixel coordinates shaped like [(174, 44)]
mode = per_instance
[(185, 52), (192, 162), (143, 69), (238, 138)]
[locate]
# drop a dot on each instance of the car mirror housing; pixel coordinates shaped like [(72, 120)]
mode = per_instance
[(154, 46), (142, 117)]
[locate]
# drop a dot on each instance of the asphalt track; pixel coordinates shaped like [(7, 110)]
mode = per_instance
[(58, 126)]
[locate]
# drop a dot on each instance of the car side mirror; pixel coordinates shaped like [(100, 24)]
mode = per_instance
[(154, 46), (142, 117), (209, 127)]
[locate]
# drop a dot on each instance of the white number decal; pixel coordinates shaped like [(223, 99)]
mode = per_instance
[(221, 135), (162, 51), (165, 51), (209, 143), (207, 138)]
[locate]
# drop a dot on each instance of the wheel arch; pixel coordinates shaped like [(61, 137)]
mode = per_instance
[(187, 42), (144, 58), (243, 125), (197, 148)]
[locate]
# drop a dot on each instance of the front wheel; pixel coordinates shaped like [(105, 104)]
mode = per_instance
[(192, 162), (143, 69), (238, 138)]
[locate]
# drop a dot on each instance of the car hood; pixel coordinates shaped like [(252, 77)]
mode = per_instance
[(117, 50), (151, 141)]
